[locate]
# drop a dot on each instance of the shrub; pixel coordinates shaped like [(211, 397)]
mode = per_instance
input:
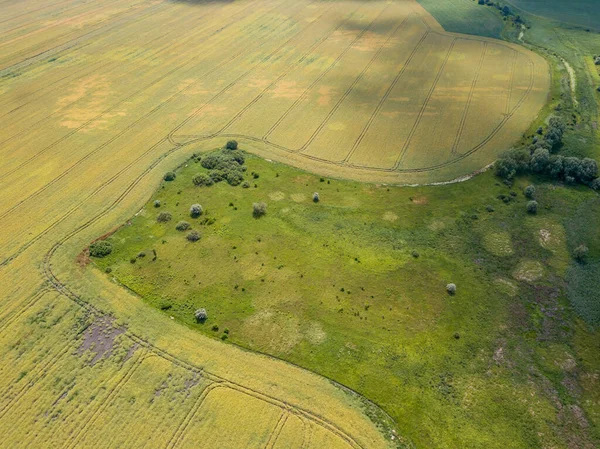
[(316, 197), (532, 207), (193, 236), (246, 185), (183, 226), (210, 161), (540, 160), (234, 177), (580, 253), (415, 254), (451, 289), (203, 180), (196, 210), (506, 168), (595, 184), (529, 192), (490, 208), (200, 315), (255, 175), (164, 217), (215, 327), (169, 176), (101, 248), (156, 203), (232, 145), (259, 209), (141, 254)]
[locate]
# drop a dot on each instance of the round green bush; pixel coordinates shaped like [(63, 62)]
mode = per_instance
[(164, 217), (101, 248), (532, 207), (170, 176), (183, 226), (193, 236)]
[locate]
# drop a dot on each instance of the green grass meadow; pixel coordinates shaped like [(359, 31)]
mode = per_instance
[(353, 287)]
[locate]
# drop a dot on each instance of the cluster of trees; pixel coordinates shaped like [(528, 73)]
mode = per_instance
[(226, 165), (504, 9), (540, 158)]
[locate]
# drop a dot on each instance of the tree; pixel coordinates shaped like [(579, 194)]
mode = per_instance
[(529, 192), (164, 217), (203, 180), (183, 226), (532, 207), (156, 203), (580, 253), (200, 315), (232, 145), (506, 168), (196, 210), (259, 209), (193, 236), (101, 248), (169, 176), (539, 160)]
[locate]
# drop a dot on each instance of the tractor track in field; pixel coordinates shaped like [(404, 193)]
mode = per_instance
[(417, 122), (28, 60), (116, 105), (95, 69)]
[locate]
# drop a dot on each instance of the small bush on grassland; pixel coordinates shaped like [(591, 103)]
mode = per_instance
[(532, 207), (580, 253), (196, 210), (259, 209), (234, 178), (156, 203), (316, 197), (100, 249), (232, 145), (193, 236), (183, 226), (163, 217), (169, 176), (451, 289), (201, 315), (203, 180), (246, 185), (529, 192)]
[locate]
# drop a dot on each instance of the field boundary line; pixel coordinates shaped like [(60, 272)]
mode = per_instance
[(463, 119), (265, 138), (417, 122), (385, 96)]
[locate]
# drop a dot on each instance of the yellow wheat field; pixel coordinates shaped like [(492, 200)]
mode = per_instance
[(99, 99)]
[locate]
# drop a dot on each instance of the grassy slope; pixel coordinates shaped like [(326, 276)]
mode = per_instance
[(579, 12), (464, 16), (276, 284)]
